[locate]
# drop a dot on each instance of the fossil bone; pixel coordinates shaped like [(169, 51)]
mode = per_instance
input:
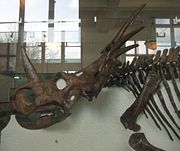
[(130, 116), (165, 66), (42, 103), (139, 142)]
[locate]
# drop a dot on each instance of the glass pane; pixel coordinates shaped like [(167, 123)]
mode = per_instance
[(142, 48), (36, 27), (132, 51), (33, 44), (72, 54), (36, 10), (8, 37), (35, 37), (34, 53), (9, 10), (3, 48), (73, 44), (53, 54), (12, 63), (8, 32), (66, 26), (9, 27), (53, 44), (162, 48), (129, 58), (162, 21), (67, 36), (57, 36), (3, 64), (177, 44), (67, 10), (177, 36), (73, 36), (163, 37)]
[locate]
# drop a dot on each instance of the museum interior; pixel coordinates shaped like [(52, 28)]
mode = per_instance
[(51, 39)]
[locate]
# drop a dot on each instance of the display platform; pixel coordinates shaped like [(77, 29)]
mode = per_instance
[(93, 126)]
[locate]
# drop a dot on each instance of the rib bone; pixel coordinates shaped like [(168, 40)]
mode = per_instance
[(130, 116)]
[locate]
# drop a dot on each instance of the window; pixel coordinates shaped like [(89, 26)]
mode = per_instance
[(129, 58), (177, 36), (56, 52), (51, 35), (73, 53), (132, 51), (162, 21), (141, 50), (67, 26), (8, 31), (56, 31), (67, 10), (67, 31), (34, 53), (36, 10), (10, 10), (36, 17), (53, 53), (163, 38), (7, 57), (35, 32), (167, 33)]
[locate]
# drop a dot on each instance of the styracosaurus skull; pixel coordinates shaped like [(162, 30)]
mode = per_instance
[(42, 103)]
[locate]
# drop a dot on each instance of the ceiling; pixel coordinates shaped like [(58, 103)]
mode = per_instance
[(111, 13), (113, 8)]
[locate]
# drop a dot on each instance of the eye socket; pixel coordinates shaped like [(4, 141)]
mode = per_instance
[(61, 84), (72, 98)]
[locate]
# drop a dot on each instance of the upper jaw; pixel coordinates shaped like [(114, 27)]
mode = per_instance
[(45, 118)]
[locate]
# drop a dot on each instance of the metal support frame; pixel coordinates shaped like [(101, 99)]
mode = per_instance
[(20, 33), (51, 21)]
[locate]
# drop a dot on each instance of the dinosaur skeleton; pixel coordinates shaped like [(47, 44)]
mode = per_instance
[(139, 142), (41, 103), (143, 77)]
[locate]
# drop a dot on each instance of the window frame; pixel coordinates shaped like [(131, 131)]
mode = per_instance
[(136, 54)]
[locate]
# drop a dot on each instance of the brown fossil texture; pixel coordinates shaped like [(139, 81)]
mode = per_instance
[(133, 77), (42, 103), (129, 118), (139, 142)]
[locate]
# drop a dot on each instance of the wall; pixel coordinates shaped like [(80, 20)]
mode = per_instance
[(95, 36), (6, 82), (93, 126), (94, 42)]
